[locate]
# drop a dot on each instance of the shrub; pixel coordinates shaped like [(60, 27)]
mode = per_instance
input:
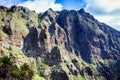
[(15, 74)]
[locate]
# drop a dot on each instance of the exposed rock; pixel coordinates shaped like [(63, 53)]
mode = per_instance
[(50, 14), (59, 76), (87, 71), (3, 8), (55, 55), (20, 8), (71, 39), (16, 8), (83, 31), (7, 30), (30, 41), (106, 72)]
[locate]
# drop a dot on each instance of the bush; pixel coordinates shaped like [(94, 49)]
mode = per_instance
[(15, 74), (37, 77), (25, 66), (31, 72)]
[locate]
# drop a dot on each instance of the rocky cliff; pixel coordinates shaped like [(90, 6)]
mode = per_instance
[(65, 45)]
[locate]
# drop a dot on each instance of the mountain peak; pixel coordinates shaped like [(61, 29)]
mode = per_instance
[(50, 13), (50, 9), (81, 10), (16, 8), (86, 14), (3, 8)]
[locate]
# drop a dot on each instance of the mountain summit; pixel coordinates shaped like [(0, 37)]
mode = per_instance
[(65, 45)]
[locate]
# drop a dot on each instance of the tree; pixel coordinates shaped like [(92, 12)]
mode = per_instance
[(26, 72), (10, 70), (5, 66)]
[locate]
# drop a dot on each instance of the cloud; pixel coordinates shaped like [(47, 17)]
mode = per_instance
[(106, 11), (37, 5), (9, 3), (105, 6), (41, 5), (111, 20)]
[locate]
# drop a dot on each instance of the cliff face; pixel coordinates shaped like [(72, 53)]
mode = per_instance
[(66, 45), (88, 36)]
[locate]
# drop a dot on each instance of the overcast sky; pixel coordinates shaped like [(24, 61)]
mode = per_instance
[(106, 11)]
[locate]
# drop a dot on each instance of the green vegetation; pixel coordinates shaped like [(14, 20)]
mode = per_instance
[(110, 63), (83, 77), (102, 78), (115, 67), (94, 69), (5, 66), (26, 72), (9, 13), (57, 68), (41, 69), (20, 67), (15, 74), (2, 34), (39, 21), (8, 69), (36, 77)]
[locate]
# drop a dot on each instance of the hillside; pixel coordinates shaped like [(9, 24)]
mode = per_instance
[(65, 45)]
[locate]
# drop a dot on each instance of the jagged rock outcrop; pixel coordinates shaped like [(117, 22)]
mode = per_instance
[(87, 35), (69, 45)]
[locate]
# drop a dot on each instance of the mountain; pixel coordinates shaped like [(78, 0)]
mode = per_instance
[(60, 45)]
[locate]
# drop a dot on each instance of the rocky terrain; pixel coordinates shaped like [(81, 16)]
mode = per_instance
[(65, 45)]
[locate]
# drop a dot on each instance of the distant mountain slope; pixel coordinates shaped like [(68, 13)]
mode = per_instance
[(90, 37), (65, 45)]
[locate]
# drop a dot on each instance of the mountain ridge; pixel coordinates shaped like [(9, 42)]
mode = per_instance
[(65, 45)]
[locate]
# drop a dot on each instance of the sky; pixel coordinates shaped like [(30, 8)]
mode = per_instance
[(106, 11)]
